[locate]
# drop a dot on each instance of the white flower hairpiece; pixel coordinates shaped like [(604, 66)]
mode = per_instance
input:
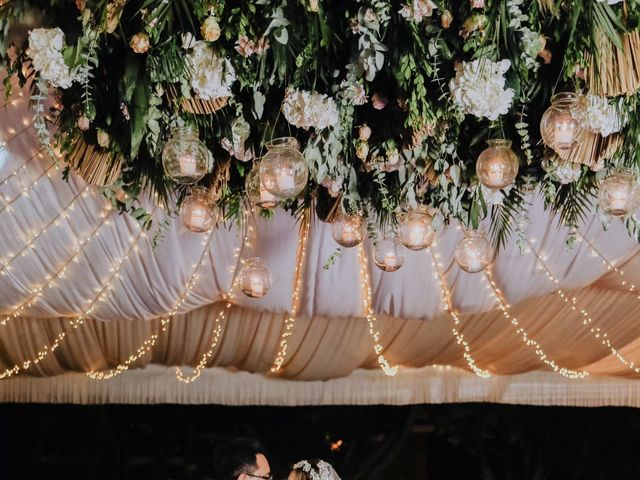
[(325, 470)]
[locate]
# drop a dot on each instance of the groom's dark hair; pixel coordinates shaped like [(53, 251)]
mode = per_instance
[(235, 457)]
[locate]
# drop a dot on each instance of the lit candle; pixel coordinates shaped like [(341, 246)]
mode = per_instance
[(267, 200), (564, 133), (495, 175), (348, 234), (285, 180), (390, 260), (474, 262), (187, 163), (619, 201), (257, 287), (198, 217), (416, 234)]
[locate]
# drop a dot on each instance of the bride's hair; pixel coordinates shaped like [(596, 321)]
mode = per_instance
[(313, 469)]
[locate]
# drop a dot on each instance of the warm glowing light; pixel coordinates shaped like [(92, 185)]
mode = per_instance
[(473, 252), (416, 229), (255, 278), (619, 193), (388, 254), (348, 230), (497, 166), (283, 170), (561, 125)]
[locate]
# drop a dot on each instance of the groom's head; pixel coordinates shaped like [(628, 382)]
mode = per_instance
[(242, 459)]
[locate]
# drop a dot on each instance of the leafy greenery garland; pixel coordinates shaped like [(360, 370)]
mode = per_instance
[(318, 45)]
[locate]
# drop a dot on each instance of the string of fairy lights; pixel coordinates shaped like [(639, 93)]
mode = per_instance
[(54, 222), (596, 332), (227, 297), (529, 342), (79, 320), (369, 315), (8, 206), (447, 305), (290, 320), (51, 280), (631, 287)]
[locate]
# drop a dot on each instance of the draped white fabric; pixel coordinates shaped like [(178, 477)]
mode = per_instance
[(47, 223)]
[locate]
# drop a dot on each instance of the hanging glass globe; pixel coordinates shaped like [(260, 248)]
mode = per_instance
[(197, 210), (349, 230), (473, 252), (185, 158), (416, 228), (257, 193), (254, 278), (619, 193), (561, 126), (497, 166), (388, 254), (283, 170)]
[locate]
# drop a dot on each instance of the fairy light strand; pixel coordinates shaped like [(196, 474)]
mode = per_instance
[(25, 191), (369, 314), (51, 279), (150, 342), (447, 305), (24, 166), (610, 266), (54, 222), (504, 307), (79, 320), (218, 323), (290, 320), (596, 333)]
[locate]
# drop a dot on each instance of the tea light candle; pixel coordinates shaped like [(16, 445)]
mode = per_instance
[(187, 162), (198, 217), (416, 234), (564, 133), (267, 200), (257, 287), (390, 260), (285, 180)]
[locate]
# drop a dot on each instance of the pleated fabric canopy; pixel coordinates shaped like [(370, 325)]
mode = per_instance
[(93, 311)]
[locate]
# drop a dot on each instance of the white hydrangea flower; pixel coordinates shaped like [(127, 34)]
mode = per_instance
[(601, 116), (417, 10), (567, 172), (306, 110), (479, 88), (45, 50), (212, 76)]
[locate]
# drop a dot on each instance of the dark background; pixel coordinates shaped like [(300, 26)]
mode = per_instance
[(469, 441)]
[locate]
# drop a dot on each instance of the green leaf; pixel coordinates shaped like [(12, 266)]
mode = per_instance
[(139, 117)]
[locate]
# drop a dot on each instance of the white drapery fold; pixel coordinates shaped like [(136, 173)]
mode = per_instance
[(49, 226)]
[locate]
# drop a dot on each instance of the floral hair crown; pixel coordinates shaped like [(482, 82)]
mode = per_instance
[(325, 470)]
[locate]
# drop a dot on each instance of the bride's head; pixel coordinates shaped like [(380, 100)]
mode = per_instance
[(313, 470)]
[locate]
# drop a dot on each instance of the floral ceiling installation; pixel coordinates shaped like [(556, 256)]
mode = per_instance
[(390, 103)]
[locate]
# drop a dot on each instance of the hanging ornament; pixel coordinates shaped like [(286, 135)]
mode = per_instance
[(185, 158), (416, 228), (254, 278), (388, 254), (473, 252), (349, 230), (562, 126), (197, 210), (257, 193), (283, 170), (619, 193), (497, 166)]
